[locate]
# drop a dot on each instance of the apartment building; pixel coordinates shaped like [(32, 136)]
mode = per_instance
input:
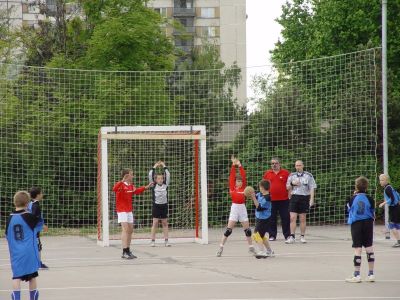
[(22, 12), (218, 22)]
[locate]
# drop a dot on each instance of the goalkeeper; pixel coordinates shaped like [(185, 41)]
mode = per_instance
[(238, 209), (159, 191), (262, 202)]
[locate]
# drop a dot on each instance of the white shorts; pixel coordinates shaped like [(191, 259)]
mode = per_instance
[(126, 217), (238, 213)]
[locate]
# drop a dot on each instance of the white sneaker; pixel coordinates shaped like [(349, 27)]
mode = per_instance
[(261, 254), (302, 239), (370, 278), (290, 240), (152, 244), (219, 252), (354, 279), (270, 253), (167, 244), (397, 245), (252, 250)]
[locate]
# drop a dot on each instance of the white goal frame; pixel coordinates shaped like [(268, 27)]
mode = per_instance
[(194, 133)]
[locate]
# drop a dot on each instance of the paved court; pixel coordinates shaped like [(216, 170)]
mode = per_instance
[(79, 269)]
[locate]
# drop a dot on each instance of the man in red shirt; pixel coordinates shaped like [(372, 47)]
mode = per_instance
[(124, 190), (279, 198)]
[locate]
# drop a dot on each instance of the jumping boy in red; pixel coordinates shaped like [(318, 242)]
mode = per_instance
[(124, 191), (237, 184)]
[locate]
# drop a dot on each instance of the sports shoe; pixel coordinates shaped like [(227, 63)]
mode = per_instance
[(252, 250), (128, 255), (303, 240), (167, 244), (152, 244), (397, 245), (272, 238), (261, 254), (219, 252), (290, 240), (270, 253), (43, 266), (354, 279), (370, 278)]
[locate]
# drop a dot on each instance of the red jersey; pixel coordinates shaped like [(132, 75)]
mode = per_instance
[(277, 191), (237, 194), (124, 193)]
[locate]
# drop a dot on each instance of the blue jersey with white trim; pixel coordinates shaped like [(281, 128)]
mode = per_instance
[(360, 207), (263, 211), (22, 244), (392, 197)]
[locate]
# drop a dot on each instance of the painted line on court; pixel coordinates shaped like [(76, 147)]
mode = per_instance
[(196, 284), (313, 298)]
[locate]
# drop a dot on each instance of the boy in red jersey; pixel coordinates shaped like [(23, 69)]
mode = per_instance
[(124, 191), (237, 184)]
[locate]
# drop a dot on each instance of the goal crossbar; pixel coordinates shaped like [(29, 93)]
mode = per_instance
[(196, 133)]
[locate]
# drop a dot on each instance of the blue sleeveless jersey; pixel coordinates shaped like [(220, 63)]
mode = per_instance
[(395, 194), (29, 209), (360, 209), (22, 244), (265, 202)]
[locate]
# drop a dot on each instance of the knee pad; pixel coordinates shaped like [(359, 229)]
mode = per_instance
[(370, 257), (247, 232), (257, 237), (228, 232), (357, 261)]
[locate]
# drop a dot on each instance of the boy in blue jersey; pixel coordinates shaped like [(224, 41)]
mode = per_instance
[(21, 230), (262, 202), (392, 199), (34, 208), (361, 209)]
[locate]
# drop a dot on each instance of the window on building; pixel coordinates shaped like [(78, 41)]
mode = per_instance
[(209, 31), (184, 3), (162, 11), (208, 12)]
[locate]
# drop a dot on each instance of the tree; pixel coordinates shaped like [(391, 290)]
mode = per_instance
[(334, 27)]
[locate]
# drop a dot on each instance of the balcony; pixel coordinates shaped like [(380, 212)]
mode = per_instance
[(183, 11), (189, 30)]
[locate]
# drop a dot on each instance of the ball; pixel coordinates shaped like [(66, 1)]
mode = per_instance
[(248, 191)]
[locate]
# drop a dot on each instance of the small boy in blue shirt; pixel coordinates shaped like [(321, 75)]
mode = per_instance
[(361, 218), (262, 202), (392, 199), (21, 231)]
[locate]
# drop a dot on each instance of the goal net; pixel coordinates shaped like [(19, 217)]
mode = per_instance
[(324, 111), (183, 150)]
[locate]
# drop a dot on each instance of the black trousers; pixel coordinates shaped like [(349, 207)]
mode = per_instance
[(281, 207)]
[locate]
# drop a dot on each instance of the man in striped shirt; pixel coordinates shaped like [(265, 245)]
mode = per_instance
[(301, 186)]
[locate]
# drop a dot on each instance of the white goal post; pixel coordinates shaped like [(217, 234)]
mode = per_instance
[(198, 231)]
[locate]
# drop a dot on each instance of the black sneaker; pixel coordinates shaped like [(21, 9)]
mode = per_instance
[(128, 255), (43, 266)]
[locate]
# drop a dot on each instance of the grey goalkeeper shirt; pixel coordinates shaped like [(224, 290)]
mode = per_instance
[(307, 183), (160, 191)]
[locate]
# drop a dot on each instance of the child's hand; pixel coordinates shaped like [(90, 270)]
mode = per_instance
[(233, 159), (45, 228), (149, 185), (161, 163), (382, 204)]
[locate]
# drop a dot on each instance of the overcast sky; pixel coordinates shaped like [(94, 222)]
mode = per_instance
[(262, 33)]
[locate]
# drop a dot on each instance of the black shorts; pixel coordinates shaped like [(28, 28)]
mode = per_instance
[(27, 277), (39, 242), (262, 226), (299, 204), (362, 233), (394, 214), (160, 211)]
